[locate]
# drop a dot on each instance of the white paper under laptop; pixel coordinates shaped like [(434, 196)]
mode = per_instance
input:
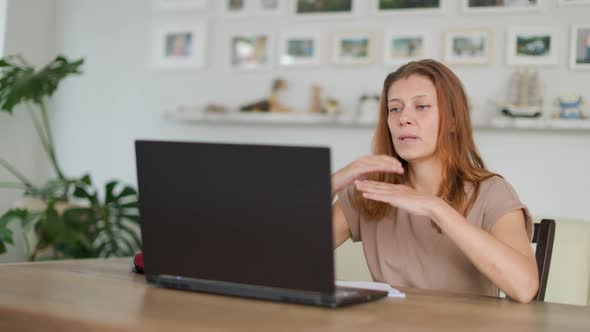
[(392, 292)]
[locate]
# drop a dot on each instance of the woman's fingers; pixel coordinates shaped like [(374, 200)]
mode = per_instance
[(382, 192), (376, 185), (364, 166), (380, 164), (375, 197), (382, 189)]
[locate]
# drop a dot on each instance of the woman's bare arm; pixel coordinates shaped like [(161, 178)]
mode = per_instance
[(339, 226)]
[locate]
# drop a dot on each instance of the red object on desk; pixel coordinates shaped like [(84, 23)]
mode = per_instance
[(137, 263)]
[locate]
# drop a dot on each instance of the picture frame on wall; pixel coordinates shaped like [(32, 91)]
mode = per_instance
[(179, 45), (235, 8), (249, 51), (300, 49), (505, 6), (163, 5), (580, 46), (353, 48), (269, 7), (400, 48), (533, 45), (568, 3), (325, 9), (468, 47), (403, 7)]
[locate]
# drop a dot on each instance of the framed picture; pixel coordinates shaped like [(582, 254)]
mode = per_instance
[(353, 48), (580, 47), (533, 45), (179, 44), (402, 48), (250, 51), (235, 8), (500, 6), (566, 3), (325, 8), (403, 7), (180, 4), (468, 47), (270, 7), (300, 49)]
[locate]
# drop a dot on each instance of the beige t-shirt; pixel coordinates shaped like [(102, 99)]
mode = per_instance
[(402, 249)]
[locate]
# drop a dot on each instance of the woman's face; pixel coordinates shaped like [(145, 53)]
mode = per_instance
[(413, 117)]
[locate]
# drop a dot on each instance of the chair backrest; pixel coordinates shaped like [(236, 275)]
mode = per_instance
[(543, 236)]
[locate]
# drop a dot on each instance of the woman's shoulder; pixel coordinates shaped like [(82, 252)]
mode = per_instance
[(492, 181), (495, 185)]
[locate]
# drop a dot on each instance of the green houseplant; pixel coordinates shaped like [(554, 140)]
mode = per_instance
[(71, 219)]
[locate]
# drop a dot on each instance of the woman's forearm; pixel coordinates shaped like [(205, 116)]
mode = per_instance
[(510, 270), (339, 182)]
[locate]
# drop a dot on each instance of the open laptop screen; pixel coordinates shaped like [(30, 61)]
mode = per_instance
[(250, 214)]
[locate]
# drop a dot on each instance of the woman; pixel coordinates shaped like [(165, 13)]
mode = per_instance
[(427, 211)]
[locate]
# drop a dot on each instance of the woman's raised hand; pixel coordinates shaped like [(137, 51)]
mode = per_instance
[(363, 166)]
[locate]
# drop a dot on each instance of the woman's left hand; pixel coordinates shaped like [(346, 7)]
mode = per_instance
[(400, 196)]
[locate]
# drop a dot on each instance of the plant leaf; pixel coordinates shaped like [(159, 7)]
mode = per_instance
[(21, 83), (30, 221), (132, 234), (129, 205), (82, 192), (100, 249), (127, 191), (109, 187), (6, 236), (5, 232), (129, 247), (86, 179), (130, 217), (12, 214)]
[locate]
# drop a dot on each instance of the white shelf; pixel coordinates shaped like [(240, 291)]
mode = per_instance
[(267, 118), (195, 115), (541, 123)]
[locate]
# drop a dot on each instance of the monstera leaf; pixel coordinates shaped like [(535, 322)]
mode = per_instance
[(91, 225), (115, 217), (20, 82)]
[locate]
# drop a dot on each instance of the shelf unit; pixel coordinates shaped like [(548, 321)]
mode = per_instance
[(267, 118), (322, 120)]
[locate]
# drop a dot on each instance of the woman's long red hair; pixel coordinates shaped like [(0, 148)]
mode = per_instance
[(461, 162)]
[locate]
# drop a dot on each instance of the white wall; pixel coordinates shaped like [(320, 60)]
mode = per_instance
[(120, 98), (19, 143), (3, 6)]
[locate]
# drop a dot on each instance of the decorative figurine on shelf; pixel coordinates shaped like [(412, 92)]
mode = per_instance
[(368, 109), (216, 108), (570, 107), (326, 106), (524, 94), (272, 104), (316, 100), (278, 85), (331, 106)]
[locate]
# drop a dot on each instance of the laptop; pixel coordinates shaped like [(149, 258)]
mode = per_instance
[(242, 220)]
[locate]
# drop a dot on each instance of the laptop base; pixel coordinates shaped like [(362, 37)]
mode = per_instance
[(342, 296)]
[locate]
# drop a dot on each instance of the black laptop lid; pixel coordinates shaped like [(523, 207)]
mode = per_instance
[(258, 215)]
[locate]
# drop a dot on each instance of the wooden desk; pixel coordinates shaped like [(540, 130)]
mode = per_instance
[(92, 295)]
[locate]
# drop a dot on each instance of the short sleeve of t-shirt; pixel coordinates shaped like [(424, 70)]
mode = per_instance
[(351, 213), (501, 199)]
